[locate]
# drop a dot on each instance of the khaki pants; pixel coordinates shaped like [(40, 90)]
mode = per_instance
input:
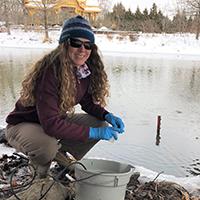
[(30, 139)]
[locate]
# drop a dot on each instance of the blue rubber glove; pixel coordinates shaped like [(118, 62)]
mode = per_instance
[(115, 121), (103, 133)]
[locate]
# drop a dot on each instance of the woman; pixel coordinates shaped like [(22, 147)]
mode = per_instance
[(44, 121)]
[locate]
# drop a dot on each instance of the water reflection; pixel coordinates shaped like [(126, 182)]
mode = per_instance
[(158, 137), (13, 65), (142, 88)]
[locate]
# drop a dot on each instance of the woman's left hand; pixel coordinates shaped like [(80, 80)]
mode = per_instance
[(115, 121)]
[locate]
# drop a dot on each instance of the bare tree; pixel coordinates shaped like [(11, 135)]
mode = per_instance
[(192, 8), (6, 5), (43, 8), (105, 5), (22, 3)]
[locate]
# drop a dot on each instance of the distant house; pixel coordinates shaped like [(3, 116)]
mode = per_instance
[(86, 8)]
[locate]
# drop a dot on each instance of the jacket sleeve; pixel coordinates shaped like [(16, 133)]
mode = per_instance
[(47, 101), (91, 108)]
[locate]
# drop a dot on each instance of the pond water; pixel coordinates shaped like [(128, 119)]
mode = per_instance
[(143, 87)]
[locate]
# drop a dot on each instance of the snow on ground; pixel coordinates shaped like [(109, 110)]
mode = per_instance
[(146, 43)]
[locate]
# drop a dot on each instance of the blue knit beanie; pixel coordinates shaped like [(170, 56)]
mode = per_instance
[(76, 27)]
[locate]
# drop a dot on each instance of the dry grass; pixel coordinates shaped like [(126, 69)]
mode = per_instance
[(133, 37), (110, 37), (47, 39), (120, 38)]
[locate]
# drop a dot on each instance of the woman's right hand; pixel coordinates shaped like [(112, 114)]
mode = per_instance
[(104, 133)]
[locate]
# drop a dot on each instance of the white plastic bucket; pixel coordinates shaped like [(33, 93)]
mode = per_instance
[(102, 179)]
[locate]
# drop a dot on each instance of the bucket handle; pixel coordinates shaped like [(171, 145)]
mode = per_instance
[(116, 180)]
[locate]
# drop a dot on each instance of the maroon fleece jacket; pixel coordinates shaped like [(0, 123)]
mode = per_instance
[(46, 111)]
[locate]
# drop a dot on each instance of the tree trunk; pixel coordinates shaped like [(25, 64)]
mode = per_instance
[(198, 28), (45, 23), (25, 16), (7, 18)]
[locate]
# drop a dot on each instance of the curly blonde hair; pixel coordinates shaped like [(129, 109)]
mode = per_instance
[(63, 70)]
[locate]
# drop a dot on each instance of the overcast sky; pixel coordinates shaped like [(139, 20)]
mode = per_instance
[(163, 5)]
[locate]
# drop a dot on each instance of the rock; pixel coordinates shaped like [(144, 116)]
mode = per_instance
[(133, 182), (3, 137), (40, 187), (3, 29)]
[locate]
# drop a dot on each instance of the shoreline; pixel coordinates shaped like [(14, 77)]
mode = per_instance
[(155, 45), (147, 54)]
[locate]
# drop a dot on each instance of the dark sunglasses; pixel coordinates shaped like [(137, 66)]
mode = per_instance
[(77, 44)]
